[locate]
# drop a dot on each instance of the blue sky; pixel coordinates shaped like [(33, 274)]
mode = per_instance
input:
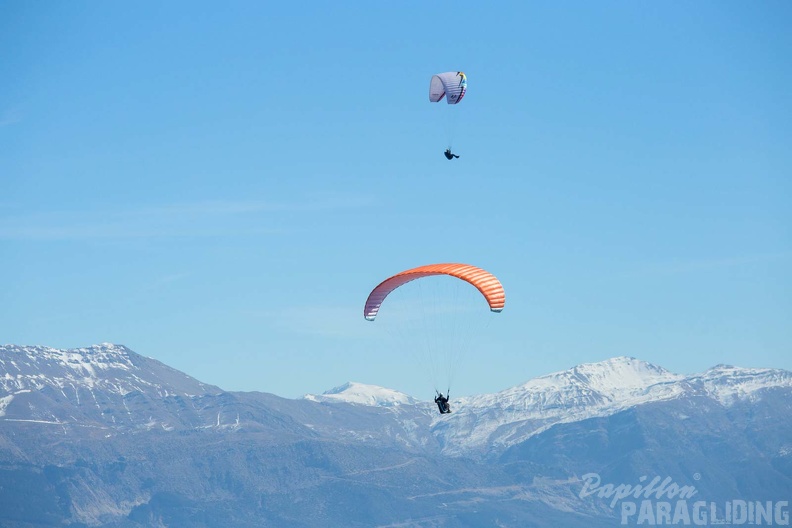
[(219, 187)]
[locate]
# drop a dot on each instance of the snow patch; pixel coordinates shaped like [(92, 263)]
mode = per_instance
[(5, 401)]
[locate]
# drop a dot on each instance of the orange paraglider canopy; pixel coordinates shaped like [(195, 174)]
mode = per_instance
[(489, 286)]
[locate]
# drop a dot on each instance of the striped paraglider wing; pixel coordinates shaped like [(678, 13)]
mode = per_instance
[(486, 283)]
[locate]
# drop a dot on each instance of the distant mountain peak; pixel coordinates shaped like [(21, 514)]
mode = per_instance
[(89, 363), (363, 394), (614, 379), (620, 363), (112, 367), (729, 384), (622, 373)]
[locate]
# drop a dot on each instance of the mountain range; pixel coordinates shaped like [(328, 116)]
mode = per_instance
[(103, 436)]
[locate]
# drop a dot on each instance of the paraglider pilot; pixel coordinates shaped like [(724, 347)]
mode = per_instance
[(442, 402), (449, 155)]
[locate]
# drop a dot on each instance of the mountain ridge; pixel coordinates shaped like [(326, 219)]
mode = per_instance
[(101, 436), (112, 376)]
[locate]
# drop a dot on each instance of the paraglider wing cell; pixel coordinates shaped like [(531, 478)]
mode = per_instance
[(436, 90)]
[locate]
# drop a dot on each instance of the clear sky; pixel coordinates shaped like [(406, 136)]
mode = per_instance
[(220, 186)]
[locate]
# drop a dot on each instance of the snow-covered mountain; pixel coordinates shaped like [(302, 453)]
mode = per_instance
[(362, 394), (109, 389), (51, 385), (106, 367), (496, 421), (730, 385), (102, 436), (585, 391)]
